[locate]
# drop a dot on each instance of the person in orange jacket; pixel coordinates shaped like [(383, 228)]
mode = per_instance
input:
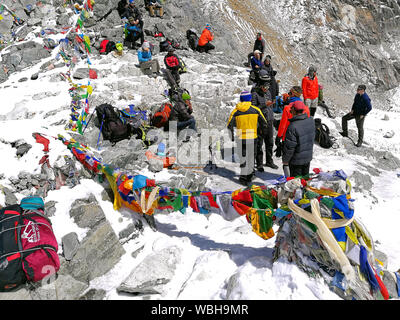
[(204, 44), (295, 94), (310, 88)]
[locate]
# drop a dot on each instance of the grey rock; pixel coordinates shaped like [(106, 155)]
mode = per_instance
[(131, 231), (151, 275), (21, 294), (87, 213), (98, 252), (65, 287), (93, 294), (10, 198), (70, 245), (49, 206), (23, 149), (83, 73)]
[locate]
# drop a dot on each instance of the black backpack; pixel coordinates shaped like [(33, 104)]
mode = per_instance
[(192, 38), (112, 125), (322, 134)]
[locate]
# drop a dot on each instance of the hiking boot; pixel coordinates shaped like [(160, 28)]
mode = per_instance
[(343, 134), (260, 169), (359, 144), (271, 165), (244, 181)]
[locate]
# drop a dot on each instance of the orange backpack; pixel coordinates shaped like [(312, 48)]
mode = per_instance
[(161, 116)]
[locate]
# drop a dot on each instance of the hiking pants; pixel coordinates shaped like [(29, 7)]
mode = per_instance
[(299, 170), (328, 112), (207, 47), (133, 37), (312, 104), (153, 9), (248, 154), (149, 67), (191, 124), (359, 123), (268, 141), (175, 75)]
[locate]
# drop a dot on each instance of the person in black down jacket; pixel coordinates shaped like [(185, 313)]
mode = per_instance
[(299, 142), (360, 108), (261, 98)]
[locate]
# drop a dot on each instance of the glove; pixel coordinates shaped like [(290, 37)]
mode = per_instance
[(278, 141), (278, 150)]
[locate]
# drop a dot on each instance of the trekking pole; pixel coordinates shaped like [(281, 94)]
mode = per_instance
[(87, 123), (101, 127)]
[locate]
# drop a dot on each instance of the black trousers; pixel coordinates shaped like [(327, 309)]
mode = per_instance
[(207, 47), (299, 170), (248, 154), (268, 141), (359, 123)]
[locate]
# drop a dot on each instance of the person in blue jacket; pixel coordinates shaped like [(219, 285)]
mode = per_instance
[(255, 61), (133, 32), (361, 107), (148, 65)]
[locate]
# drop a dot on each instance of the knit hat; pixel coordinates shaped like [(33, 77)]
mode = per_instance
[(245, 96), (296, 91), (208, 26), (186, 96), (145, 45), (298, 106), (361, 87), (131, 1)]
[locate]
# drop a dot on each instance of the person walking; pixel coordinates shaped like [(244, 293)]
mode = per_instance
[(248, 120), (309, 85), (361, 107), (299, 142)]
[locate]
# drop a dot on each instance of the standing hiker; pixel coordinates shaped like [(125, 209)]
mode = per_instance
[(309, 85), (148, 65), (274, 87), (206, 37), (248, 120), (261, 98), (259, 44), (359, 110), (299, 142), (294, 94)]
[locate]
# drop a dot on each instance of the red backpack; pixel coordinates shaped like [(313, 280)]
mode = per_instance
[(161, 116), (28, 247)]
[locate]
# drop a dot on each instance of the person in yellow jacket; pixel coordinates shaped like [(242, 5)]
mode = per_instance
[(247, 119)]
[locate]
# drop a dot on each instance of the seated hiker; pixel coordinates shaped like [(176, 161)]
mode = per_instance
[(153, 6), (148, 66), (173, 64), (255, 61), (206, 37), (133, 33), (133, 11), (259, 45), (321, 102), (182, 113)]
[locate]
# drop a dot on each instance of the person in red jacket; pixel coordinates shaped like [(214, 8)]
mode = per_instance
[(173, 64), (206, 37), (310, 88)]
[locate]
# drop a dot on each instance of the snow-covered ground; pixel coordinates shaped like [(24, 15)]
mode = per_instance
[(221, 259)]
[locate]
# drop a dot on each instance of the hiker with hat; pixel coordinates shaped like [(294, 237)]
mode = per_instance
[(153, 6), (309, 84), (206, 37), (256, 62), (267, 66), (148, 65), (294, 96), (299, 142), (182, 113), (248, 121), (133, 32), (361, 107), (261, 98), (133, 11), (172, 62)]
